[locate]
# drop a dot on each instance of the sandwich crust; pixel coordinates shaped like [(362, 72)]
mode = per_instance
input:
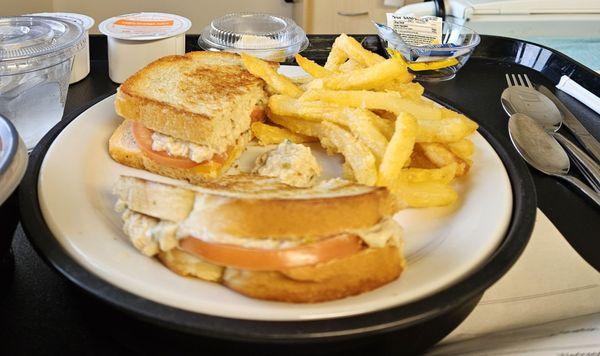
[(359, 273), (261, 208)]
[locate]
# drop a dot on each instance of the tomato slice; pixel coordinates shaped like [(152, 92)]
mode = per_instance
[(273, 260), (143, 138)]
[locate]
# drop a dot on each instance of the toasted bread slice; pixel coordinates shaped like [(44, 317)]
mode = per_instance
[(339, 278), (123, 149), (202, 97), (254, 206)]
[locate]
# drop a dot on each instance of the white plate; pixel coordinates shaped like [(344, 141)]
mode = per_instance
[(442, 244)]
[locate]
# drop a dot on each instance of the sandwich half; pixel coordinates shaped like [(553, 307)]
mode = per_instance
[(187, 117), (266, 239)]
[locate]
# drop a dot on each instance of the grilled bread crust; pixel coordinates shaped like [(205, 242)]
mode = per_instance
[(200, 97), (267, 210)]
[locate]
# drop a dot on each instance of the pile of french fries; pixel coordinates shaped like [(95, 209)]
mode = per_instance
[(367, 108)]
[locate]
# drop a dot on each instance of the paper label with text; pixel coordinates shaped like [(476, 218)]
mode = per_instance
[(417, 31)]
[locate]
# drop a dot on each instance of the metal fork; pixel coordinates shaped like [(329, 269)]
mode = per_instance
[(535, 104)]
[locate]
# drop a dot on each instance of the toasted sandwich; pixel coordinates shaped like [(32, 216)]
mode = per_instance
[(266, 239), (187, 117)]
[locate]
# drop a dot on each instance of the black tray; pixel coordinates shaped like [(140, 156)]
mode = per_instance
[(475, 91)]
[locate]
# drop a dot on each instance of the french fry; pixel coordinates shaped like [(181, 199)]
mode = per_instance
[(358, 156), (357, 52), (269, 134), (318, 111), (278, 82), (419, 160), (417, 175), (441, 156), (367, 133), (312, 68), (425, 194), (398, 150), (388, 101), (336, 56), (463, 148), (444, 130), (368, 78), (406, 89), (299, 126), (349, 66)]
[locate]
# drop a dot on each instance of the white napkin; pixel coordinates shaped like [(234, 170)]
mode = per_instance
[(571, 87), (549, 282)]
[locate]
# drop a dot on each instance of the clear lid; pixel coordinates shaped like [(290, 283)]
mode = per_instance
[(266, 36), (86, 21), (29, 43), (142, 26)]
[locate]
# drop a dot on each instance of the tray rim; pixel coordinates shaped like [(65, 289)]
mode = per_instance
[(387, 320)]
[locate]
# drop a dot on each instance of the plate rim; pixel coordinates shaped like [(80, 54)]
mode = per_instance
[(49, 249)]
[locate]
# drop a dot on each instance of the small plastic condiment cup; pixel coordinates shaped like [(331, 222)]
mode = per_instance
[(266, 36), (36, 54), (135, 40), (81, 63)]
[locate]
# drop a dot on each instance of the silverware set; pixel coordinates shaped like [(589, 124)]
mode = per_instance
[(536, 116)]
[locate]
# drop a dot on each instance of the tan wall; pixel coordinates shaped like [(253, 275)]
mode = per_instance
[(19, 7)]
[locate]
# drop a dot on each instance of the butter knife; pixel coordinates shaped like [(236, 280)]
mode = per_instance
[(577, 129)]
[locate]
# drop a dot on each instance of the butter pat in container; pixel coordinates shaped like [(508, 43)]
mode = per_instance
[(135, 40), (270, 37), (81, 62)]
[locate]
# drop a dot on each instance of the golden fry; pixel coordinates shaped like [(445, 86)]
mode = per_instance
[(463, 148), (388, 101), (269, 134), (350, 65), (444, 130), (417, 175), (336, 56), (398, 150), (358, 156), (407, 89), (299, 126), (367, 78), (278, 82), (357, 52), (366, 132), (441, 156), (425, 194), (312, 68)]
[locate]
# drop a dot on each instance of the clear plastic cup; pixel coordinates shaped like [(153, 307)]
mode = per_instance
[(36, 54), (269, 37)]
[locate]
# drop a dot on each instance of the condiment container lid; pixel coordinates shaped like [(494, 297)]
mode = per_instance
[(144, 26), (28, 43), (84, 20), (13, 159), (262, 35)]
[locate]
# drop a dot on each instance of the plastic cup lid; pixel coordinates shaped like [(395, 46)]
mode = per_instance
[(32, 42), (143, 26), (13, 159), (84, 20), (254, 33)]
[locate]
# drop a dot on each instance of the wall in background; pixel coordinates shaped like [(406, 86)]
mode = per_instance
[(18, 7)]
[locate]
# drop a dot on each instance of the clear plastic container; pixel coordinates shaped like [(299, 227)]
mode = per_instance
[(265, 36), (436, 62), (36, 54), (81, 63)]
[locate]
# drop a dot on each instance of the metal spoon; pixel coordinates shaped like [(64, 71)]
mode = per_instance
[(528, 101), (543, 152)]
